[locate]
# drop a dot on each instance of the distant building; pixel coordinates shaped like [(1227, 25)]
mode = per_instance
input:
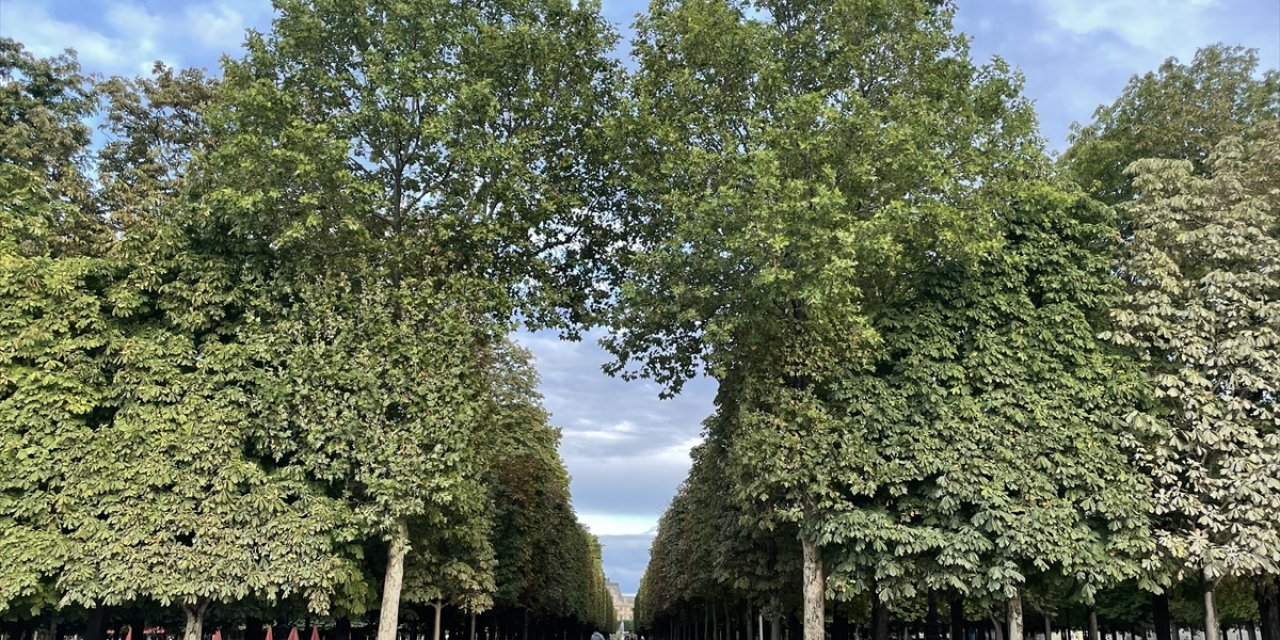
[(623, 606)]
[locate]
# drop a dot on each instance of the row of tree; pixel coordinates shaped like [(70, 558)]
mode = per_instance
[(253, 348), (949, 366), (253, 352)]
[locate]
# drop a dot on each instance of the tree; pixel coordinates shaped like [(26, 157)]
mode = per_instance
[(793, 165), (42, 131), (155, 128), (709, 556), (454, 138), (148, 490), (53, 324), (428, 140), (424, 143), (1203, 316), (169, 501), (987, 436), (543, 567), (1178, 112), (377, 391)]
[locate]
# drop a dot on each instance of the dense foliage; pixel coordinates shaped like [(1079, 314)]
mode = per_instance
[(937, 376), (255, 364), (226, 399)]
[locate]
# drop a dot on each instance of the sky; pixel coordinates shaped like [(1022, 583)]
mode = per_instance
[(627, 451)]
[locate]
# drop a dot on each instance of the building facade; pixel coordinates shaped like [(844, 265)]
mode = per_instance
[(623, 606)]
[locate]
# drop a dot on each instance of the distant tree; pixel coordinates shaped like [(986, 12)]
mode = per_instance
[(1178, 112), (542, 554), (710, 556)]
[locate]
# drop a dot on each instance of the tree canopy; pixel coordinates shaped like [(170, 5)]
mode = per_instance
[(259, 355)]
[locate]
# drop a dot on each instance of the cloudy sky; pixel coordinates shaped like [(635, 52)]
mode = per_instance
[(626, 450)]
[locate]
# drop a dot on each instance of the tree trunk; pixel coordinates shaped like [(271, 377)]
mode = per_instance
[(195, 620), (95, 626), (1160, 616), (957, 618), (932, 623), (435, 629), (473, 625), (814, 590), (1093, 622), (137, 626), (879, 619), (728, 622), (253, 629), (1269, 607), (1048, 628), (1015, 616), (1211, 630), (840, 623), (389, 616), (775, 623)]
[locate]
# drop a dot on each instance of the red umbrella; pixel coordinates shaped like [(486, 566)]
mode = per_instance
[(315, 633), (293, 633), (129, 634), (217, 634), (268, 632)]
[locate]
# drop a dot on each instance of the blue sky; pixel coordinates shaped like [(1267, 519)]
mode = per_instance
[(626, 450)]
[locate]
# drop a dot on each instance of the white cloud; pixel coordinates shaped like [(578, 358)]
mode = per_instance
[(217, 26), (135, 22), (125, 37), (612, 524), (678, 453), (626, 451), (45, 36), (126, 42), (1149, 24)]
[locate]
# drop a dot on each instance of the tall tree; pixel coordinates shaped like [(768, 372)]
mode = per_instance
[(424, 143), (1203, 269), (794, 164), (135, 310), (155, 127), (456, 138), (53, 323)]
